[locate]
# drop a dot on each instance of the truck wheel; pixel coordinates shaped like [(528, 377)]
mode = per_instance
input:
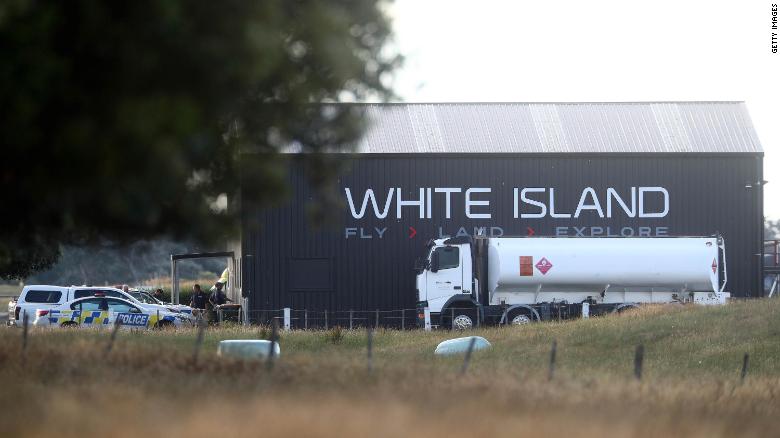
[(458, 318), (520, 319), (462, 322)]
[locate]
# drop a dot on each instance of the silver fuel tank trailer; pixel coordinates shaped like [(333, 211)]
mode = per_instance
[(610, 270)]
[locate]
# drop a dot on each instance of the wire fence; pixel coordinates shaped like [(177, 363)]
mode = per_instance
[(400, 319), (304, 319), (639, 353)]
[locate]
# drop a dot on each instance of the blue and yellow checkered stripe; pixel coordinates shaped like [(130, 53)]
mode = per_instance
[(93, 317), (96, 317)]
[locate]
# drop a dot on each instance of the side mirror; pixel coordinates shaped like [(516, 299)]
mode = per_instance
[(419, 265), (435, 262)]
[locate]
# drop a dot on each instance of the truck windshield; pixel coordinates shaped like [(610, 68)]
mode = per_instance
[(449, 257)]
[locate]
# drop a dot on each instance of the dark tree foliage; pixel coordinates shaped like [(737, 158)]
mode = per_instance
[(128, 120)]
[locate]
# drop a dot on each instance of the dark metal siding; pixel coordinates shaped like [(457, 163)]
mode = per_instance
[(707, 193)]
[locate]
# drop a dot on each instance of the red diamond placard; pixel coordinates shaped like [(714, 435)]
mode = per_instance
[(544, 265)]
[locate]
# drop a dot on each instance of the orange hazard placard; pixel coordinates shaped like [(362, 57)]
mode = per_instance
[(526, 266)]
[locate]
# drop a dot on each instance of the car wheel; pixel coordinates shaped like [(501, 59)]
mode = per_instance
[(70, 324), (163, 325)]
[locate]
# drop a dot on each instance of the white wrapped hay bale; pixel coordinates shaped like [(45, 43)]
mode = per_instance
[(461, 345), (247, 348)]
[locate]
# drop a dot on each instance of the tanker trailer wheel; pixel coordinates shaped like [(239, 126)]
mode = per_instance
[(520, 319)]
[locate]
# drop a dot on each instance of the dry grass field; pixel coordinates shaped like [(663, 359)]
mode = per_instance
[(67, 384)]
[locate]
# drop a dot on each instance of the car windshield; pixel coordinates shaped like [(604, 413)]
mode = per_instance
[(119, 306), (90, 304), (145, 297)]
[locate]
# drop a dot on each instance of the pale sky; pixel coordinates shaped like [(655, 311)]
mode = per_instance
[(570, 51)]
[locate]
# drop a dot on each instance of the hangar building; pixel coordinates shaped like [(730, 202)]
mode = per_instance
[(423, 171)]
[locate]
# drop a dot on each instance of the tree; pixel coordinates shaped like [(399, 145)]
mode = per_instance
[(133, 119), (771, 229)]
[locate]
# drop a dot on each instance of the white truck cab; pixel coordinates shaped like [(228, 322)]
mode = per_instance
[(445, 274)]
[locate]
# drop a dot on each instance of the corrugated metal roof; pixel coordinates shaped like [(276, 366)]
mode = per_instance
[(655, 127)]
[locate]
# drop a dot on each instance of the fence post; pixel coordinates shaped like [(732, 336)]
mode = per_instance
[(350, 319), (468, 356), (743, 374), (427, 313), (585, 310), (272, 352), (376, 320), (25, 325), (117, 323), (326, 319), (369, 337), (638, 359), (403, 319), (553, 351), (287, 319), (198, 340), (305, 319), (452, 317)]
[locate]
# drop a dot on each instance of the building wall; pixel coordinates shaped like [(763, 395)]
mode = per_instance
[(348, 266)]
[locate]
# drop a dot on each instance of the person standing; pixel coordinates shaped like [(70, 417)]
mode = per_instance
[(218, 297), (198, 300)]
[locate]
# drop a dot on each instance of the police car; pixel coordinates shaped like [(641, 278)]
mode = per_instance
[(34, 297), (102, 311)]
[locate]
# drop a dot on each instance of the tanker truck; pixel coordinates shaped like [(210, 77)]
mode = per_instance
[(465, 281)]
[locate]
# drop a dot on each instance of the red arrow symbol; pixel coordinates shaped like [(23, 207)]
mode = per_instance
[(531, 231), (412, 232)]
